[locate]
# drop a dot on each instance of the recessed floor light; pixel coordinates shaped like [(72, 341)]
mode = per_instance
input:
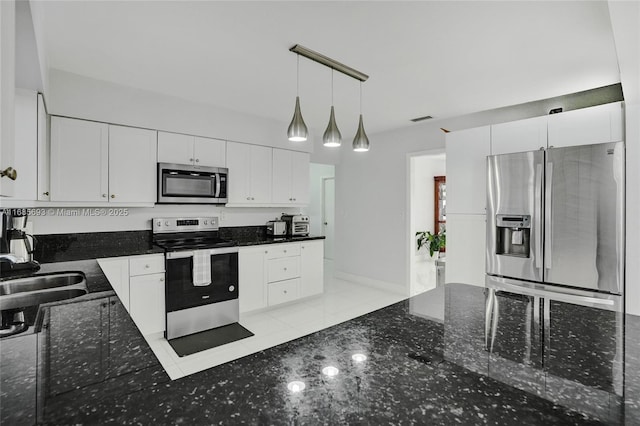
[(359, 357), (296, 386), (330, 371)]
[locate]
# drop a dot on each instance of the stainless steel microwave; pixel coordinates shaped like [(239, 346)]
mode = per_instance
[(184, 184)]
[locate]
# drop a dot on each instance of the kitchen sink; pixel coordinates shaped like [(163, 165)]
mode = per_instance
[(24, 292)]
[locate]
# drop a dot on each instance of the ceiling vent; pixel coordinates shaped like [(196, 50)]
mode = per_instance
[(426, 117)]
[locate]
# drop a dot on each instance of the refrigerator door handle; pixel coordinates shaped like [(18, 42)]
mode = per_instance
[(537, 205), (548, 227)]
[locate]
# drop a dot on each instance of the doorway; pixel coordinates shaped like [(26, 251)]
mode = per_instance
[(423, 167), (321, 208)]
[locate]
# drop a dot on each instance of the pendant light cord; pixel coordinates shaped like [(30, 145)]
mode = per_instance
[(331, 86), (360, 98), (298, 74)]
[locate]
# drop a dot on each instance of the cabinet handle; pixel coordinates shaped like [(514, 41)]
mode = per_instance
[(9, 172), (190, 159), (285, 251), (113, 302), (46, 193), (113, 195), (146, 266), (104, 195), (104, 305), (266, 252), (197, 160), (161, 279), (248, 198), (285, 269), (285, 292)]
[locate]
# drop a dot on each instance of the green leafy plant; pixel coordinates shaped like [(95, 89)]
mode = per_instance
[(435, 242)]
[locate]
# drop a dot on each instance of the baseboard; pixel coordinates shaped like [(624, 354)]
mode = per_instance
[(370, 282)]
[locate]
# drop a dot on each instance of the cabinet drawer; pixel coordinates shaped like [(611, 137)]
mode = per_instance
[(283, 291), (283, 269), (282, 250), (142, 265)]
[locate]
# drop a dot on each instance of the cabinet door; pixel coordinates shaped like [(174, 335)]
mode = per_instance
[(76, 344), (44, 151), (467, 152), (282, 176), (146, 303), (312, 268), (117, 272), (251, 279), (238, 162), (26, 145), (300, 177), (209, 152), (175, 148), (587, 126), (261, 167), (519, 136), (466, 237), (7, 92), (79, 160), (18, 380), (132, 165)]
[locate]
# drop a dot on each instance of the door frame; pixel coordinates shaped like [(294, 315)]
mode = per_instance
[(324, 209)]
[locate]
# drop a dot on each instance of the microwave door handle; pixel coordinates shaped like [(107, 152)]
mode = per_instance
[(218, 185)]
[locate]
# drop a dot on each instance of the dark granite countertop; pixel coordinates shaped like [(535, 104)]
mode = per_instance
[(426, 364), (275, 240)]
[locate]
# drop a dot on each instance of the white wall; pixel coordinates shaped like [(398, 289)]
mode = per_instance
[(77, 96), (314, 210)]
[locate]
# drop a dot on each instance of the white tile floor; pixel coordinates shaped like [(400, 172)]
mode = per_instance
[(341, 301)]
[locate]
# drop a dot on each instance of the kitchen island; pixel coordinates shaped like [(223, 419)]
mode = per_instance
[(425, 364)]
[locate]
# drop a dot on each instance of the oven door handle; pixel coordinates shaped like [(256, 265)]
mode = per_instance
[(212, 252)]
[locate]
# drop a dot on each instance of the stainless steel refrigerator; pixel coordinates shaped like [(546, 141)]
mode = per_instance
[(555, 261), (555, 220)]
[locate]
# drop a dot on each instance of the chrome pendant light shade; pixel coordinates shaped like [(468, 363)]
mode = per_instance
[(332, 136), (361, 141), (297, 131)]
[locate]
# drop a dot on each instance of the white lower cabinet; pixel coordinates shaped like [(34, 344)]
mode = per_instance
[(279, 273), (283, 291), (312, 268), (117, 272), (251, 278), (139, 283), (466, 245), (146, 302)]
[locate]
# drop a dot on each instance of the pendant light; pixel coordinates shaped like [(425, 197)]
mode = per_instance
[(297, 131), (332, 136), (360, 141)]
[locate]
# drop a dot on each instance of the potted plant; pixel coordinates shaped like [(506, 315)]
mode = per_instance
[(435, 242)]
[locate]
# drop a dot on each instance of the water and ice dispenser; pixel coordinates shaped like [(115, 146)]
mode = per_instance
[(513, 233)]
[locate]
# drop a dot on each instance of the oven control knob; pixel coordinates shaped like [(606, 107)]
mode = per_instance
[(166, 222), (159, 223), (231, 288), (205, 222)]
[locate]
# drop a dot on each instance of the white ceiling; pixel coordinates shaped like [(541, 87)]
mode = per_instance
[(423, 58)]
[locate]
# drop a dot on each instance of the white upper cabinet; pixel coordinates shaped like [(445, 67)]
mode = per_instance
[(44, 151), (209, 152), (290, 177), (132, 165), (97, 162), (192, 150), (79, 160), (519, 136), (466, 170), (586, 126), (250, 168), (26, 145)]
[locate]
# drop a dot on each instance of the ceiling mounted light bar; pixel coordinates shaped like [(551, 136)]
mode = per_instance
[(326, 61)]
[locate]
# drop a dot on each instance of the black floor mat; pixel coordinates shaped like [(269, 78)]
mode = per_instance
[(187, 345)]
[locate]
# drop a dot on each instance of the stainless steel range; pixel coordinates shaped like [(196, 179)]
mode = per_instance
[(201, 275)]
